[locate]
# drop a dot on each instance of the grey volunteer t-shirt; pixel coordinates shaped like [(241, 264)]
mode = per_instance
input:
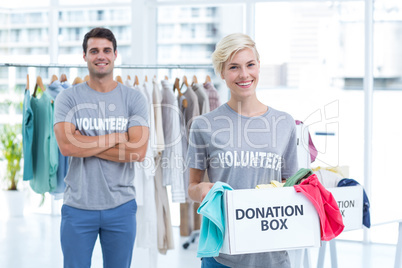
[(244, 152), (93, 183)]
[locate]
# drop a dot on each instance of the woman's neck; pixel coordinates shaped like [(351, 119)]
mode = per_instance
[(248, 108)]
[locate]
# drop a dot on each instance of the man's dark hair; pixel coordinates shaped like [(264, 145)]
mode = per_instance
[(99, 32)]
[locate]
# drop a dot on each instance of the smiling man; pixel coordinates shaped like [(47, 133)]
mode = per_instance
[(102, 125)]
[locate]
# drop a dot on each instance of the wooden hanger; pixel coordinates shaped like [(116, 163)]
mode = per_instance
[(118, 79), (86, 78), (195, 81), (166, 78), (63, 78), (136, 82), (39, 84), (207, 79), (54, 78), (184, 81), (128, 77), (146, 78), (77, 80), (27, 86), (176, 85)]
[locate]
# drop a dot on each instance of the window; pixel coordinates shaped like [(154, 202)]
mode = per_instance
[(18, 18), (3, 73), (195, 12), (210, 12), (15, 35), (3, 36), (165, 31), (211, 30), (4, 18), (36, 18), (100, 15)]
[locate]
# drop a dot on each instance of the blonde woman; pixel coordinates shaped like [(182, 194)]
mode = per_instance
[(242, 143)]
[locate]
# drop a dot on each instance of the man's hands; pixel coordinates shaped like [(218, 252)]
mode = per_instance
[(72, 143)]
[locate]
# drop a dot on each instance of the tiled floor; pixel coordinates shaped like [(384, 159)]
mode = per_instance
[(32, 241)]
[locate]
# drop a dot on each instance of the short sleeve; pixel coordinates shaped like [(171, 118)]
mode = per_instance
[(197, 154), (64, 110), (138, 110), (290, 165)]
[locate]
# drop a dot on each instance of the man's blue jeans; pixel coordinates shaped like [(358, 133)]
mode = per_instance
[(116, 228)]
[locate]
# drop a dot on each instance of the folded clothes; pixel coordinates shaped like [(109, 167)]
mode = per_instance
[(303, 173), (273, 184)]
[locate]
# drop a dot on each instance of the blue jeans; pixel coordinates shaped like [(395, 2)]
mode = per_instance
[(210, 262), (116, 228)]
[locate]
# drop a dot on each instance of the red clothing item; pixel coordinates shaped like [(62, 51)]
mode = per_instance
[(330, 217)]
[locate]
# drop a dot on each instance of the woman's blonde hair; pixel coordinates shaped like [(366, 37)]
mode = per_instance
[(228, 47)]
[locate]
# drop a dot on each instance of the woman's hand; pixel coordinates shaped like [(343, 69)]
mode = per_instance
[(204, 189), (197, 188)]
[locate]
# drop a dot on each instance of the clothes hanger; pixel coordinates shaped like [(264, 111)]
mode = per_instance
[(118, 79), (54, 78), (27, 86), (128, 77), (166, 78), (176, 85), (136, 82), (184, 81), (207, 80), (77, 80), (146, 78), (63, 78), (39, 84), (195, 81), (86, 78)]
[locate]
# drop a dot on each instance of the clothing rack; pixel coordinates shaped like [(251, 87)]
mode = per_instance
[(123, 66)]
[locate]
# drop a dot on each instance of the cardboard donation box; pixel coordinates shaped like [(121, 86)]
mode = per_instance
[(269, 220), (350, 203)]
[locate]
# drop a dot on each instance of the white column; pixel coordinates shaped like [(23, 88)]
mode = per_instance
[(368, 102), (250, 19), (53, 34), (143, 36)]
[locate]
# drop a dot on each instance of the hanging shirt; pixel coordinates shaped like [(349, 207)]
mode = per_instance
[(129, 83), (144, 171), (192, 110), (157, 99), (27, 136), (164, 223), (146, 213), (172, 157), (65, 84), (44, 146), (148, 91), (203, 99), (213, 96), (54, 89), (184, 140)]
